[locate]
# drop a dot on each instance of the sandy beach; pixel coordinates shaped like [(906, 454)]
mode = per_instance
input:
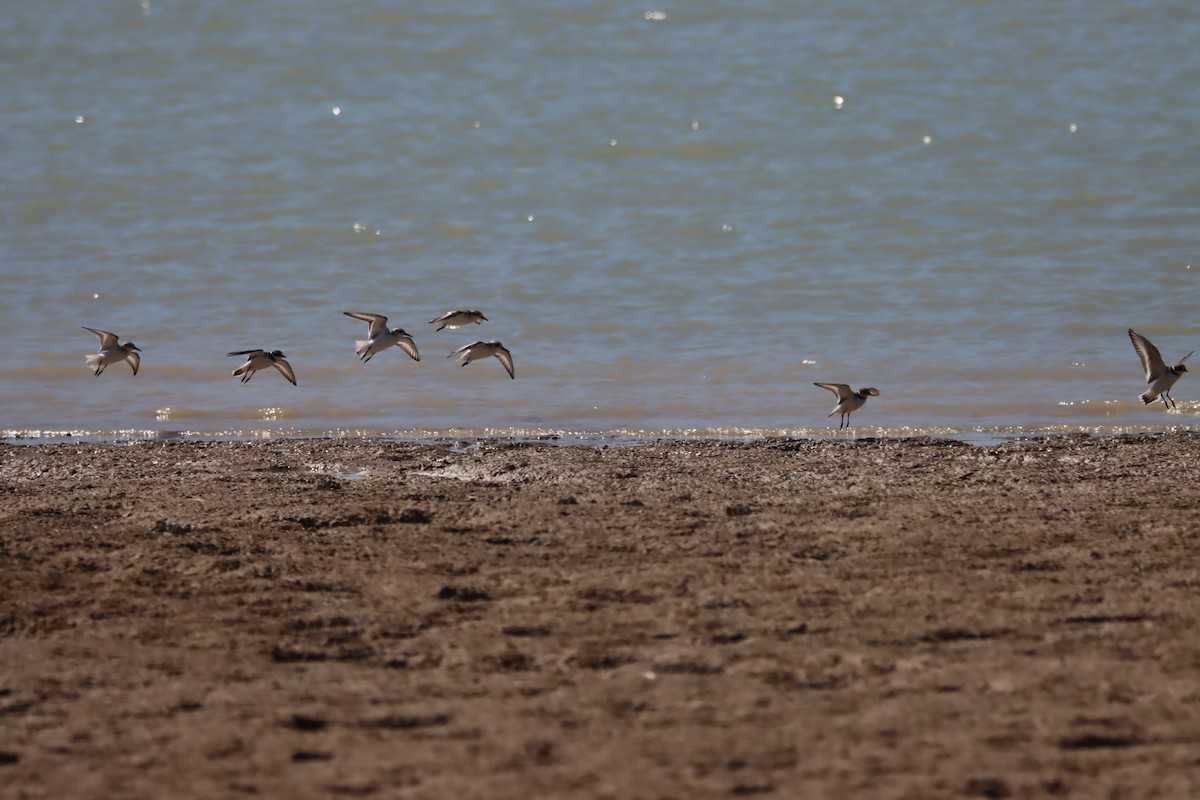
[(684, 619)]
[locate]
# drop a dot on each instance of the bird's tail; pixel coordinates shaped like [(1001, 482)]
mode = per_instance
[(1148, 397), (361, 347), (94, 362)]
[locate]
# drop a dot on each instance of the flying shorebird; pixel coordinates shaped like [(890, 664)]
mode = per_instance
[(379, 337), (111, 351), (477, 350), (847, 401), (1160, 377), (261, 359), (457, 319)]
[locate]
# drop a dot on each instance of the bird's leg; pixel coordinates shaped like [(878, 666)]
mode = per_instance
[(1166, 398)]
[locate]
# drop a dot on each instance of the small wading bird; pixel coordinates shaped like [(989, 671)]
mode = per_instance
[(111, 352), (1160, 377), (477, 350), (848, 401), (457, 319), (261, 359), (379, 337)]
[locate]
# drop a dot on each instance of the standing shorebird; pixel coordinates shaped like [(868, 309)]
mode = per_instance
[(457, 319), (261, 359), (477, 350), (1160, 377), (111, 351), (848, 401), (380, 337)]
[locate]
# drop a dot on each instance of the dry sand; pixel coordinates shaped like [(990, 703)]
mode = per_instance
[(686, 619)]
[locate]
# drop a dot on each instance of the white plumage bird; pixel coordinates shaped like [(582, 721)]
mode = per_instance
[(261, 359), (457, 319), (380, 337), (111, 351), (848, 400), (477, 350), (1160, 377)]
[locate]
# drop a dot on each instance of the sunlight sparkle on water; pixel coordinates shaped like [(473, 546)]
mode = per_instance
[(336, 110), (838, 101)]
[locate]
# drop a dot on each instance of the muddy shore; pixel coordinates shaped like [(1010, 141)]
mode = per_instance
[(685, 619)]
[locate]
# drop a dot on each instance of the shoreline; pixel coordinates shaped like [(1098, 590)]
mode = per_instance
[(598, 437), (886, 618)]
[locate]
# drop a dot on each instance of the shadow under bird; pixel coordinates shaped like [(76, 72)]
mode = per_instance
[(848, 401), (380, 337), (1160, 377), (457, 319), (111, 351), (477, 350), (261, 359)]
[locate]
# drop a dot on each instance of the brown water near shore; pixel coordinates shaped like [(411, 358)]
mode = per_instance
[(490, 619)]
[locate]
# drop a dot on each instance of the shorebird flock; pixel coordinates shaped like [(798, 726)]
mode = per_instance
[(379, 338), (1159, 377)]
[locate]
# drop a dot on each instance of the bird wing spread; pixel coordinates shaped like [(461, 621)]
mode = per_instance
[(377, 322), (107, 339), (285, 369), (842, 390), (406, 344), (1152, 361), (506, 359)]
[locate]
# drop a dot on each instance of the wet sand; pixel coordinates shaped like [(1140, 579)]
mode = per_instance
[(365, 618)]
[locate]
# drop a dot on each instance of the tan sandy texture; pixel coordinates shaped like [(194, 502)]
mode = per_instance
[(365, 618)]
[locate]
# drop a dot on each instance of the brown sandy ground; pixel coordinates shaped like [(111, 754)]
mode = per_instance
[(365, 618)]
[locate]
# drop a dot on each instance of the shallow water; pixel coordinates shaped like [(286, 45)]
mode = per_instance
[(676, 218)]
